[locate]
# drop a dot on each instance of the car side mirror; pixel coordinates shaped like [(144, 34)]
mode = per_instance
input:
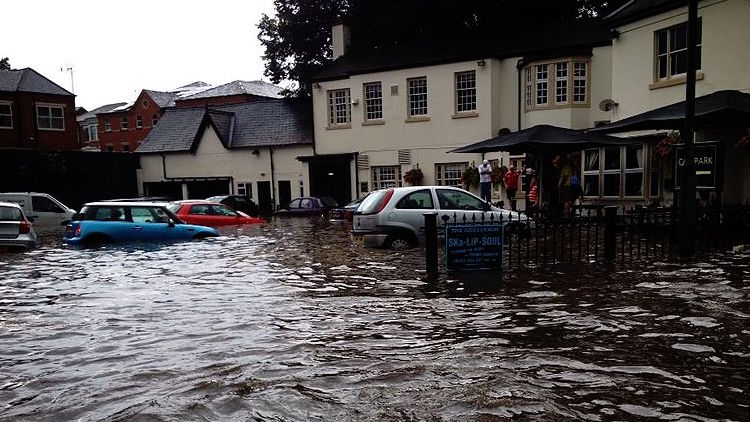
[(170, 223)]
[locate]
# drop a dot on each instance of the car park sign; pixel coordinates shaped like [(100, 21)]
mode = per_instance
[(469, 247)]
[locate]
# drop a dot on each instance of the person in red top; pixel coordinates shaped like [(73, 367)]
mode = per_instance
[(511, 185), (534, 192)]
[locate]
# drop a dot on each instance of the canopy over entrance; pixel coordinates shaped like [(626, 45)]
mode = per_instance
[(542, 138), (720, 109)]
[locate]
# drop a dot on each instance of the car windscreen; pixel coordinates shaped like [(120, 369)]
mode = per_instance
[(10, 214), (371, 204)]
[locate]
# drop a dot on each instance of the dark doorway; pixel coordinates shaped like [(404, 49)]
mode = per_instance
[(331, 176), (205, 188), (285, 193), (166, 189), (265, 203)]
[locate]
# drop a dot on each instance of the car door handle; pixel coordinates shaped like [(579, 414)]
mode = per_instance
[(137, 228)]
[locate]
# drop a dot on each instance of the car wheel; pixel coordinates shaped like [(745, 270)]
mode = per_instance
[(399, 243)]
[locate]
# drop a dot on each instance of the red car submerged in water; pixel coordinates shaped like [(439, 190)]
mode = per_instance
[(206, 213)]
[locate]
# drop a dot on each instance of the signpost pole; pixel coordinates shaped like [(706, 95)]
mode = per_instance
[(431, 249), (687, 219)]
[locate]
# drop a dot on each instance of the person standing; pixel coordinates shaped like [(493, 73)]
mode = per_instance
[(485, 180), (511, 185)]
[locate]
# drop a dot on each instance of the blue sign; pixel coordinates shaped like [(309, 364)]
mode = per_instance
[(473, 247)]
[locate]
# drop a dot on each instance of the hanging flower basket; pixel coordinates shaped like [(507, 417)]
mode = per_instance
[(414, 177), (498, 175), (664, 148), (744, 142), (470, 177)]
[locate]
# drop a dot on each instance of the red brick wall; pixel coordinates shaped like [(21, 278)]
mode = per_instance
[(133, 136), (25, 133)]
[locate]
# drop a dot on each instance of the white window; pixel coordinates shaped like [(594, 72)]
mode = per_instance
[(671, 50), (339, 107), (154, 119), (6, 116), (542, 84), (138, 121), (124, 123), (550, 84), (561, 83), (466, 92), (529, 89), (449, 174), (93, 132), (373, 93), (108, 126), (580, 80), (245, 188), (417, 96), (50, 117), (615, 172), (386, 177)]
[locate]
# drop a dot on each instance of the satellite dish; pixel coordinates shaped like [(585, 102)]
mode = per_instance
[(607, 105)]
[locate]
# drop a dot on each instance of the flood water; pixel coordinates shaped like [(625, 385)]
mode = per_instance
[(291, 322)]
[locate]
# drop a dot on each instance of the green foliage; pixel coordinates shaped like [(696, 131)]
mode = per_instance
[(297, 39), (4, 64)]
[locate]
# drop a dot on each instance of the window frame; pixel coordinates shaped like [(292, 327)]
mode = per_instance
[(138, 121), (415, 99), (378, 182), (333, 107), (669, 52), (154, 120), (9, 115), (466, 91), (50, 107), (622, 172), (570, 82), (561, 83), (124, 123), (93, 129), (442, 169), (107, 126), (373, 104)]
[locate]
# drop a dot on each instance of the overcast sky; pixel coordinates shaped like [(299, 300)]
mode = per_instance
[(118, 48)]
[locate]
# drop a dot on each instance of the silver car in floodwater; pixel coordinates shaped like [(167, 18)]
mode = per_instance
[(394, 217), (16, 231)]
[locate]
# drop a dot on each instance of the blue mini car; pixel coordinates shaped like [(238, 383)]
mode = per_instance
[(103, 222)]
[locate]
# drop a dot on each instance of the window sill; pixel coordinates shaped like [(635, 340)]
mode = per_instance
[(417, 119), (336, 127), (373, 122), (52, 129), (6, 127), (675, 80), (465, 115), (560, 106)]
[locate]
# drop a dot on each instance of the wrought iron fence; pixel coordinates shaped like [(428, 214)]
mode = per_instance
[(620, 235)]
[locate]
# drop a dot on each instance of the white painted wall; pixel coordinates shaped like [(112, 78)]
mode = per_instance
[(211, 159), (725, 62)]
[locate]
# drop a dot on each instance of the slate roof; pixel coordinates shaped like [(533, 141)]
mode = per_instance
[(259, 88), (29, 80), (551, 40), (264, 123), (162, 99), (102, 109), (639, 9)]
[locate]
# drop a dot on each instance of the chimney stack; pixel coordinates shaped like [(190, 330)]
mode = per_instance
[(340, 39)]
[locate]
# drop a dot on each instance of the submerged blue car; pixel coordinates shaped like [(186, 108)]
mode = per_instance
[(103, 222)]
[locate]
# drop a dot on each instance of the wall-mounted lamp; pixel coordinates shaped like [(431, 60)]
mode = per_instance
[(480, 63), (256, 152)]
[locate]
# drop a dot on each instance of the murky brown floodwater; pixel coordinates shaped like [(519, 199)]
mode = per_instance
[(289, 322)]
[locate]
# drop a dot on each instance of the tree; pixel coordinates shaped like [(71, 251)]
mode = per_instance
[(4, 64), (297, 40)]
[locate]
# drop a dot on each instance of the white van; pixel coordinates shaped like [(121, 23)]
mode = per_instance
[(46, 212)]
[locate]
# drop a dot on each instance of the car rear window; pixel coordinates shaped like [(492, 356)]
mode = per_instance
[(10, 214), (371, 204)]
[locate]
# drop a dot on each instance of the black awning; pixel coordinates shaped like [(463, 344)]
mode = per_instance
[(721, 109), (543, 138)]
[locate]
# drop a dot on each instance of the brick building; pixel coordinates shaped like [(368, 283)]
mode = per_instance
[(236, 92), (36, 113)]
